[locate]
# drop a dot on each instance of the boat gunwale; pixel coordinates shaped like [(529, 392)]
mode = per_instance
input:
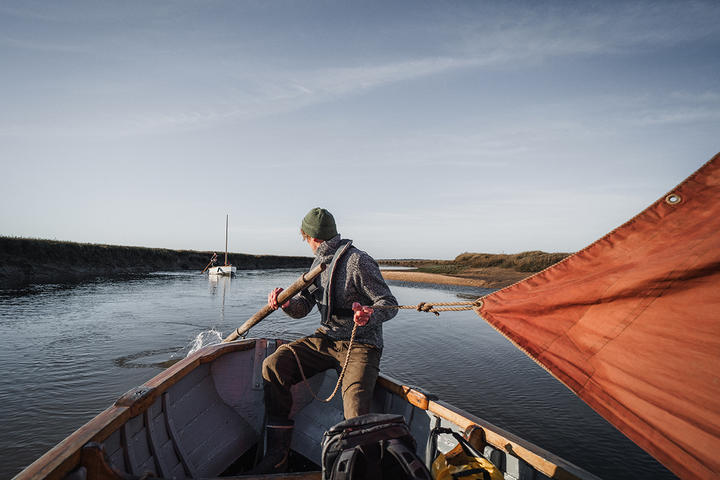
[(540, 459)]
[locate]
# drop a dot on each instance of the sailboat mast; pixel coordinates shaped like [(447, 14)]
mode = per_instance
[(226, 233)]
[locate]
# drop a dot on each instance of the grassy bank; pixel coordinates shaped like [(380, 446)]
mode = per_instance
[(478, 269), (29, 260)]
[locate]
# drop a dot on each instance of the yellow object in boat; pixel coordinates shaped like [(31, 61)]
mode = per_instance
[(456, 464)]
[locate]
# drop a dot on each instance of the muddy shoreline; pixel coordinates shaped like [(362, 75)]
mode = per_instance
[(494, 280)]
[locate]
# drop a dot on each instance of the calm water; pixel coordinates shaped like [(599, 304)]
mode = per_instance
[(68, 352)]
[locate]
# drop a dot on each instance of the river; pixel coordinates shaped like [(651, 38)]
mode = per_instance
[(68, 351)]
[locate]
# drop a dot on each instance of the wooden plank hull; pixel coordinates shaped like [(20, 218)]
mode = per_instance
[(195, 419)]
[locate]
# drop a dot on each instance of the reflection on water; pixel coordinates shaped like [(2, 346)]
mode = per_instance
[(69, 351), (219, 282)]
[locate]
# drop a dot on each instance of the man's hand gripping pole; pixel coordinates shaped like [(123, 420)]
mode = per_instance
[(304, 281)]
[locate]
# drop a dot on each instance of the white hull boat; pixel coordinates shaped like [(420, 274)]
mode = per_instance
[(226, 270)]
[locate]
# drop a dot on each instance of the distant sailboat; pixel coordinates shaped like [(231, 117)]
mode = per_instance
[(226, 268)]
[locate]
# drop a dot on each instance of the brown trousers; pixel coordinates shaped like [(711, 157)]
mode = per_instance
[(318, 353)]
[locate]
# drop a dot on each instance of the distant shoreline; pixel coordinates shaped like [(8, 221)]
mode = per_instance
[(483, 270), (498, 279), (25, 261)]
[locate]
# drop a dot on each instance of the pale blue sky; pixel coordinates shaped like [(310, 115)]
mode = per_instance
[(428, 128)]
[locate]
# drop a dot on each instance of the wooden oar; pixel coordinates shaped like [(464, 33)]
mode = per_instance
[(302, 282)]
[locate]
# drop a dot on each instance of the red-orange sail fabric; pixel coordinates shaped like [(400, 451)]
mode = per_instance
[(631, 324)]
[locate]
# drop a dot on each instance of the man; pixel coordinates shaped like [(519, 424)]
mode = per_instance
[(344, 294)]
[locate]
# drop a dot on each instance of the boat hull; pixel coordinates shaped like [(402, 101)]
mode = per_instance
[(198, 417), (223, 270)]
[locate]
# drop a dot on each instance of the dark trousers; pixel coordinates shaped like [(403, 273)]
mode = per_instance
[(318, 353)]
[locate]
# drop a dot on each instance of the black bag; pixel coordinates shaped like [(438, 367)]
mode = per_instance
[(374, 446)]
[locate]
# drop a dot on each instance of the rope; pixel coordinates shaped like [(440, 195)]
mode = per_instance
[(430, 307), (420, 307), (342, 372)]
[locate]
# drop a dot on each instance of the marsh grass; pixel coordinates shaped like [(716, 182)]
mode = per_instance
[(36, 260), (470, 264), (447, 269), (533, 261)]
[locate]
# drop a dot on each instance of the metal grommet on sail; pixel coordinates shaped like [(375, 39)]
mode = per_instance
[(673, 199)]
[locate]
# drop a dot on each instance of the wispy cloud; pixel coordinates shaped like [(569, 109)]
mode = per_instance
[(547, 30), (677, 116), (680, 108), (658, 108), (8, 42), (273, 93), (245, 87), (530, 37)]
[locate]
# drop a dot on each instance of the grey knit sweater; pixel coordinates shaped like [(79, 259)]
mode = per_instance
[(356, 278)]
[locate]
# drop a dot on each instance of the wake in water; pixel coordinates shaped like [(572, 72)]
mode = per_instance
[(204, 339), (156, 358), (149, 359)]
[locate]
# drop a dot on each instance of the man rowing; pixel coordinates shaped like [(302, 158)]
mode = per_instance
[(352, 279)]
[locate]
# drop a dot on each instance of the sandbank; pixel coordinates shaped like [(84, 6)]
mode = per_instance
[(482, 278)]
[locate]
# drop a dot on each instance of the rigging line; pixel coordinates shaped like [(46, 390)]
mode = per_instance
[(431, 307)]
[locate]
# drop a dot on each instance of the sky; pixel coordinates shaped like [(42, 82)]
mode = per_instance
[(428, 129)]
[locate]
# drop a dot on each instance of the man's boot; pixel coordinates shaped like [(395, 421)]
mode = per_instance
[(279, 435)]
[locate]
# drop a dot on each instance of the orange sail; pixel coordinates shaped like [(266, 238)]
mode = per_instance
[(631, 324)]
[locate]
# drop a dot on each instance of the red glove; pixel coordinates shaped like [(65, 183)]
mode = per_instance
[(272, 299), (362, 314)]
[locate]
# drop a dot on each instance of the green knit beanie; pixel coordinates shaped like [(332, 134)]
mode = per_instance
[(320, 224)]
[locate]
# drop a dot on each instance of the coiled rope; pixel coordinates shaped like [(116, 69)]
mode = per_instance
[(420, 307)]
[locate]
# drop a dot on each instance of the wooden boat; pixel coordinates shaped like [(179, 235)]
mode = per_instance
[(202, 418), (224, 269), (630, 324)]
